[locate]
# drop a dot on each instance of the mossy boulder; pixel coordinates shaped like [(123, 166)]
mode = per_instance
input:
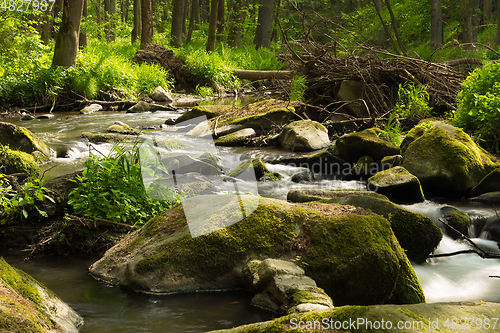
[(391, 161), (457, 219), (446, 160), (27, 306), (333, 196), (237, 138), (355, 258), (102, 137), (169, 144), (416, 233), (20, 138), (412, 318), (490, 183), (209, 111), (122, 128), (398, 185), (15, 161), (364, 168), (351, 147), (304, 135), (244, 169), (322, 162), (491, 198)]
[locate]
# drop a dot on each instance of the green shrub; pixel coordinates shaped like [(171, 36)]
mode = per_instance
[(112, 188), (478, 111), (413, 101), (298, 88)]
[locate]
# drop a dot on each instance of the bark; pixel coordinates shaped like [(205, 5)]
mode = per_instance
[(212, 25), (395, 28), (497, 39), (136, 31), (487, 10), (194, 19), (110, 10), (221, 15), (46, 26), (127, 5), (436, 23), (66, 45), (235, 27), (378, 7), (83, 32), (468, 10), (147, 23), (204, 10), (177, 23), (264, 25)]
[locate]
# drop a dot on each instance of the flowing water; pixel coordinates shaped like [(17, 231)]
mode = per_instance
[(464, 277)]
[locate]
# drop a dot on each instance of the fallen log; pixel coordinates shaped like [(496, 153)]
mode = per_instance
[(263, 75)]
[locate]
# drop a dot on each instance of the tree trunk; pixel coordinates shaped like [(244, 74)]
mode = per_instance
[(212, 25), (204, 10), (221, 16), (136, 31), (194, 19), (235, 26), (487, 9), (147, 23), (264, 25), (47, 26), (468, 9), (177, 23), (67, 38), (436, 23), (83, 32), (395, 28), (378, 7), (98, 17), (498, 24), (127, 5)]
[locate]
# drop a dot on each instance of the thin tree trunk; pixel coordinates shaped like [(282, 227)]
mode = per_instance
[(66, 46), (83, 32), (221, 16), (235, 27), (395, 28), (147, 23), (46, 26), (487, 10), (98, 17), (136, 31), (436, 23), (378, 8), (193, 24), (212, 25), (204, 10), (468, 9), (127, 5), (177, 23), (264, 25), (498, 24)]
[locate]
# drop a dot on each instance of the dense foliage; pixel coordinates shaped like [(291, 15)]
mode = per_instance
[(478, 109)]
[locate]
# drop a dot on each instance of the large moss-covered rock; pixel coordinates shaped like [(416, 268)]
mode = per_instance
[(490, 183), (122, 128), (244, 169), (398, 185), (334, 196), (322, 162), (355, 258), (352, 146), (304, 135), (237, 138), (413, 318), (26, 306), (416, 233), (15, 161), (209, 111), (103, 137), (20, 138), (445, 159), (457, 219)]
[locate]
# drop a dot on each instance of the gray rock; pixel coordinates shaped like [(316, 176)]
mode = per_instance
[(308, 307), (284, 286), (265, 301), (490, 183), (398, 185), (302, 177), (45, 116), (349, 91), (122, 128), (391, 161), (457, 219), (161, 95), (308, 195), (237, 138), (352, 146), (488, 198), (91, 109), (304, 135), (27, 117), (270, 268)]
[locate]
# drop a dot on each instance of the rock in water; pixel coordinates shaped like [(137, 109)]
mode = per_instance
[(161, 95), (122, 128), (398, 185), (304, 135), (20, 138), (444, 158), (27, 306), (162, 257), (89, 109)]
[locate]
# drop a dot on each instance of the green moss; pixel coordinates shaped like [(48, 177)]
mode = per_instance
[(17, 161), (169, 144), (122, 128), (106, 137), (259, 168), (19, 281), (416, 249), (270, 114), (220, 251)]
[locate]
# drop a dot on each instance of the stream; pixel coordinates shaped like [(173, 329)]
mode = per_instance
[(105, 308)]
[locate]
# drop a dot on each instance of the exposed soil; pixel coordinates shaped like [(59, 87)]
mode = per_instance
[(158, 54)]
